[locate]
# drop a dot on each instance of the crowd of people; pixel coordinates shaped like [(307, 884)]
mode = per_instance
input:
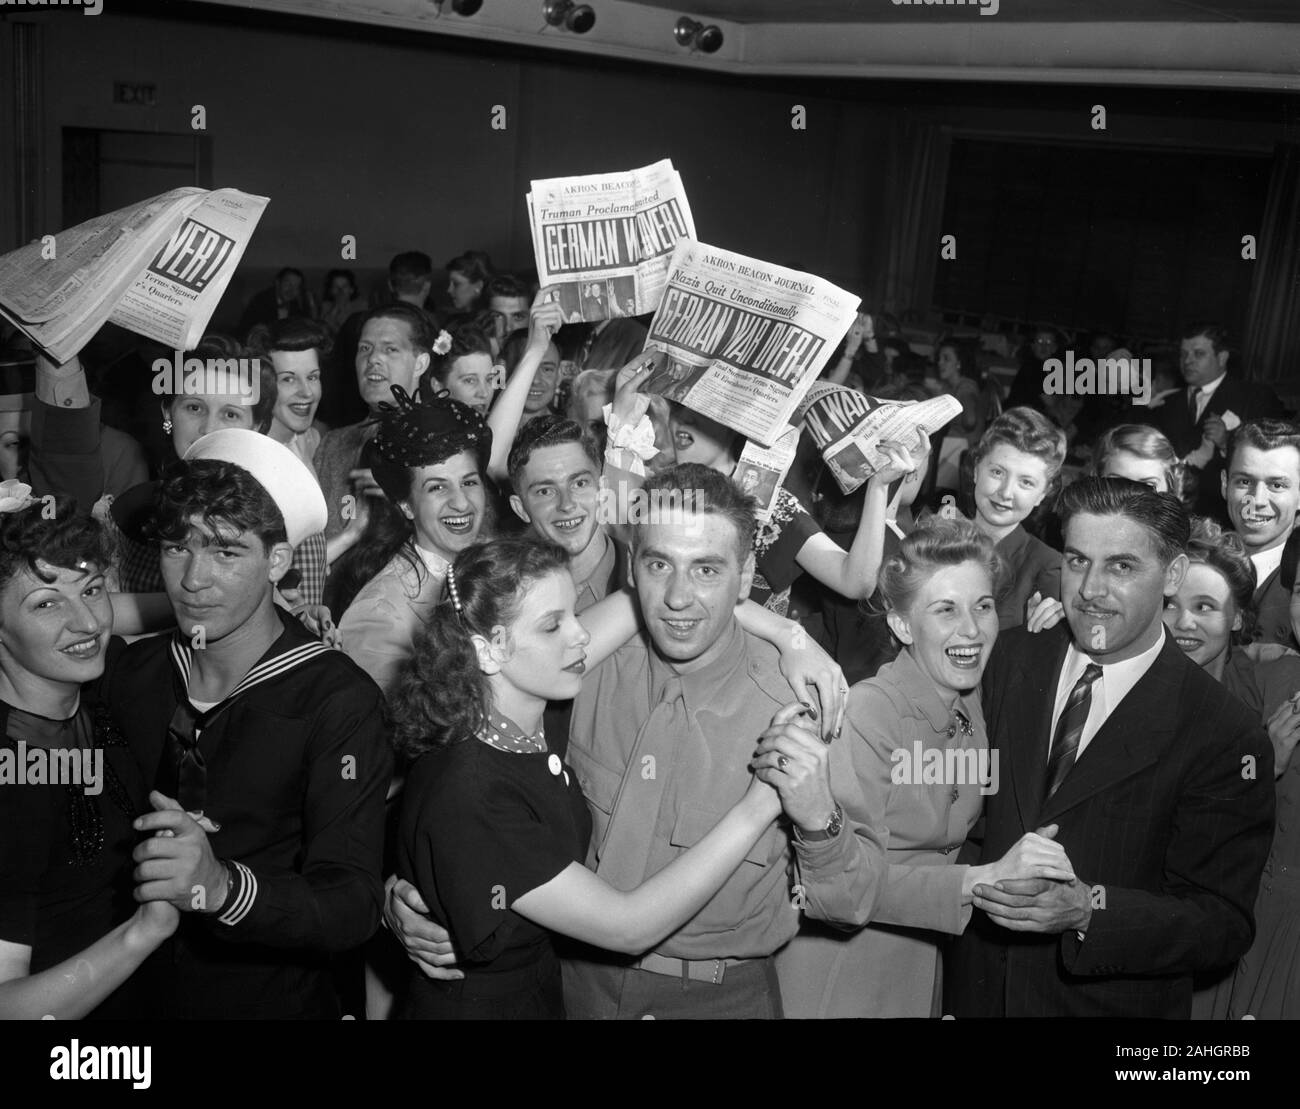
[(346, 690)]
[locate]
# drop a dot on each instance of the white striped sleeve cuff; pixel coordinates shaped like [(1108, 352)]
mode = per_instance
[(243, 893)]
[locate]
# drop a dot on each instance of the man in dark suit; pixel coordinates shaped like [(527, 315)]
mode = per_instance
[(1197, 420), (1155, 780), (1262, 488)]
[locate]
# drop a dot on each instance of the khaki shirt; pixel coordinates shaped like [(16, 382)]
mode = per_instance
[(675, 786)]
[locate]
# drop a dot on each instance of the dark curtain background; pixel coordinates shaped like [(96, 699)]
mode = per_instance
[(915, 163), (1271, 346)]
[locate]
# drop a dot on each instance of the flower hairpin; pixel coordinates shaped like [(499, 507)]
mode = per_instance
[(442, 344), (15, 496)]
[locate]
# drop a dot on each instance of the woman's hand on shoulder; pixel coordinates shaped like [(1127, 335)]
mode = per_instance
[(810, 669)]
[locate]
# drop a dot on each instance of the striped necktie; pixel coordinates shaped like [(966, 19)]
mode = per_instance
[(1069, 729)]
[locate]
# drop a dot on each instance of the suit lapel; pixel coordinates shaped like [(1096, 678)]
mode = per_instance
[(1030, 718), (1263, 587), (1227, 396), (1130, 740)]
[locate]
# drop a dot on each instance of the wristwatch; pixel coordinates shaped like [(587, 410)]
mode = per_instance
[(832, 829)]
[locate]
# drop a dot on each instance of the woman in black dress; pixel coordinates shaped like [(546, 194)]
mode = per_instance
[(494, 827), (70, 934)]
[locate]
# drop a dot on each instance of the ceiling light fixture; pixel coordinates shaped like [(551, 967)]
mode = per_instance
[(578, 18), (460, 7), (694, 34)]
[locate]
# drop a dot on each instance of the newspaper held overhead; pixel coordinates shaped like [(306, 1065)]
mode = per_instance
[(744, 339), (605, 240), (159, 268), (848, 427)]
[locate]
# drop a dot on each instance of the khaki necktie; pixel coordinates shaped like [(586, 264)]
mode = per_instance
[(625, 853)]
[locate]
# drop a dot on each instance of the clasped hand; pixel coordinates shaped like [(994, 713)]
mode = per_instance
[(1034, 888), (795, 762), (177, 861)]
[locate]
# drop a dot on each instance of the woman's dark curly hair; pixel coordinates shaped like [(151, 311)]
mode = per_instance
[(467, 337), (441, 696), (51, 532), (387, 534)]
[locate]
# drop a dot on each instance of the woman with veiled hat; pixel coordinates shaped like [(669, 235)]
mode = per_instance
[(430, 457)]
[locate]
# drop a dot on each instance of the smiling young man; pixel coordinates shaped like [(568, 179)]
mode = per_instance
[(395, 349), (1262, 488), (662, 738), (555, 473), (266, 750), (1159, 782)]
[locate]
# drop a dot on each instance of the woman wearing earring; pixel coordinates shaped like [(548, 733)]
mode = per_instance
[(430, 458), (70, 934), (186, 415), (64, 451)]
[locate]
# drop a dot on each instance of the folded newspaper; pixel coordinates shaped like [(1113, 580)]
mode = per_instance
[(743, 339), (605, 240), (760, 471), (848, 427), (158, 268)]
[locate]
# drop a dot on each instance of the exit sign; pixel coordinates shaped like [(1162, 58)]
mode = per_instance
[(125, 92)]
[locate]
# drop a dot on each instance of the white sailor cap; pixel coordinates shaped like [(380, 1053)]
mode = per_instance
[(277, 469)]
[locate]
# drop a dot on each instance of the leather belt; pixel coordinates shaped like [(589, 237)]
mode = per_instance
[(698, 970)]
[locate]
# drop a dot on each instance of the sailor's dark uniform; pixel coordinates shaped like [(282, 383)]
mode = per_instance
[(297, 763)]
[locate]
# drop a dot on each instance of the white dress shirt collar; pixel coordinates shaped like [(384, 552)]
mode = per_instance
[(1266, 562), (433, 562), (1117, 678)]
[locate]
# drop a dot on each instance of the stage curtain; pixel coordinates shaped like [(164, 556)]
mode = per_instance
[(915, 162), (1271, 344)]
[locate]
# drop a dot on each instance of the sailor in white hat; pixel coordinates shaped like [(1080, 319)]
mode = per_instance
[(277, 469), (272, 758)]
